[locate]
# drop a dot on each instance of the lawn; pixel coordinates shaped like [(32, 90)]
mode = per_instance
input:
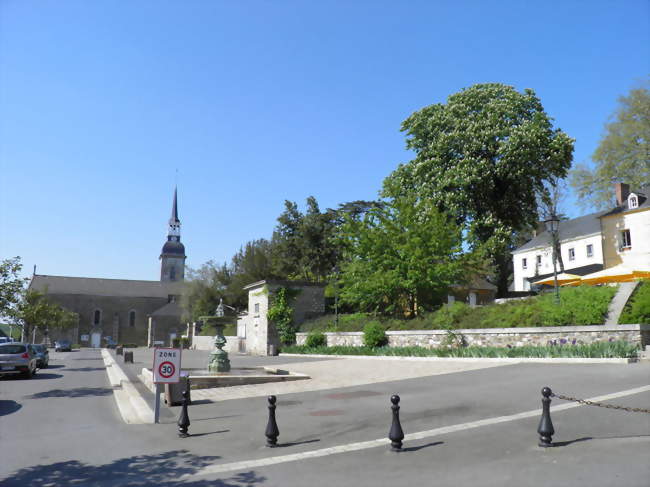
[(583, 305)]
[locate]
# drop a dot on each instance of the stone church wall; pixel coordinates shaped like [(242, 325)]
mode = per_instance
[(114, 317)]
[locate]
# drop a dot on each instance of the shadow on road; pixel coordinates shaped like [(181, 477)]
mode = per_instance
[(45, 376), (416, 448), (54, 366), (162, 470), (8, 407), (589, 438), (78, 392)]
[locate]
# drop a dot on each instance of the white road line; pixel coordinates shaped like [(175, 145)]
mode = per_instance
[(363, 445)]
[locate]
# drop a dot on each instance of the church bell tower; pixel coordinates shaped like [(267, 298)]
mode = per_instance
[(172, 257)]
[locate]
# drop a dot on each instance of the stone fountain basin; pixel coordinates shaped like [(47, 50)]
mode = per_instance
[(238, 376)]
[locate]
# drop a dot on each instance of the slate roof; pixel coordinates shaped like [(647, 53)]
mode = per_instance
[(104, 287), (568, 229), (644, 202)]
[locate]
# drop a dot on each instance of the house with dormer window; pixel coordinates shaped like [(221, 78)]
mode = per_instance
[(626, 229), (590, 243)]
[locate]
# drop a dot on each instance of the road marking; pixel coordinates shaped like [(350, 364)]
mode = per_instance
[(363, 445)]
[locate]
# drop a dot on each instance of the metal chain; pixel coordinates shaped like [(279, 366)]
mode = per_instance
[(600, 404)]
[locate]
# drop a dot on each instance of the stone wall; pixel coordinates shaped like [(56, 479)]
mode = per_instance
[(114, 317), (501, 337), (207, 343)]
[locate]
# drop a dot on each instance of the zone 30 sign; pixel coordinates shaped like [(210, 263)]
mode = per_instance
[(166, 365)]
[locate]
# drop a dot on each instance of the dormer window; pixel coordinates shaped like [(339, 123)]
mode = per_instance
[(632, 201)]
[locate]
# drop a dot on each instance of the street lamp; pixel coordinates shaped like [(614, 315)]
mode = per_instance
[(552, 225), (336, 272)]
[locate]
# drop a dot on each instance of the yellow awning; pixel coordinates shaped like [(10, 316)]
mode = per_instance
[(562, 278), (619, 273)]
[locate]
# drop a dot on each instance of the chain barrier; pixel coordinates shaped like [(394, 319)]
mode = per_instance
[(600, 404)]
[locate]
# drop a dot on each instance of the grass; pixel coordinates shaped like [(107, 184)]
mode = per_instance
[(637, 309), (615, 349), (583, 305)]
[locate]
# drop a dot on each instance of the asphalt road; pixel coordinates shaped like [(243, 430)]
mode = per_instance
[(63, 428)]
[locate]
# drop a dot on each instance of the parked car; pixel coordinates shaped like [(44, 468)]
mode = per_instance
[(18, 358), (62, 346), (42, 356)]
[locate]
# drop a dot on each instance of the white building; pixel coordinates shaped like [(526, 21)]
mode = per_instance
[(592, 242), (580, 246)]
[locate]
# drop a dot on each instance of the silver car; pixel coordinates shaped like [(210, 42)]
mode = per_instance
[(17, 358)]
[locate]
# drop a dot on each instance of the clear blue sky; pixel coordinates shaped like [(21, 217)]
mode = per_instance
[(255, 102)]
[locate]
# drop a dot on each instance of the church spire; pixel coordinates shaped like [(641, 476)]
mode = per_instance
[(174, 234), (172, 266), (174, 217)]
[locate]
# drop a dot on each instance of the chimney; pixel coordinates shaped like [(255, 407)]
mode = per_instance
[(541, 228), (622, 191)]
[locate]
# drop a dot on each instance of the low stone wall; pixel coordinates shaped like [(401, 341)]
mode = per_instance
[(207, 343), (501, 337)]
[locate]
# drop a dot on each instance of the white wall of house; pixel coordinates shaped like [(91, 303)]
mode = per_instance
[(574, 254), (638, 254), (256, 322)]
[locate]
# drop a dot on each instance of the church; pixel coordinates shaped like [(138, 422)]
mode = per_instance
[(123, 310)]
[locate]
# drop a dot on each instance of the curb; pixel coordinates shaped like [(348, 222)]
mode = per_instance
[(133, 408), (505, 360)]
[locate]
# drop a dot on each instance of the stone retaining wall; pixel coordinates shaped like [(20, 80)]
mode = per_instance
[(501, 337)]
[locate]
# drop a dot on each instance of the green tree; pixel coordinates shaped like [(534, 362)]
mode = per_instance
[(11, 286), (482, 158), (304, 245), (401, 257), (35, 310), (623, 154), (202, 290)]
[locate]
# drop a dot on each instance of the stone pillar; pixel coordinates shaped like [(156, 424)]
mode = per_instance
[(116, 327), (150, 332)]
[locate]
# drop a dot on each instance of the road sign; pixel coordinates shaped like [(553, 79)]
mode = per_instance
[(166, 365)]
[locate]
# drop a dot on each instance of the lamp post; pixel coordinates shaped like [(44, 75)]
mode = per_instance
[(336, 297), (552, 225)]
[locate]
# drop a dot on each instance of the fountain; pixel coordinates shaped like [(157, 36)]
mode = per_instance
[(218, 372), (219, 361)]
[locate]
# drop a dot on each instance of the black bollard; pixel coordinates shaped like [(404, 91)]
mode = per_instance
[(396, 435), (184, 419), (128, 357), (118, 350), (545, 428), (272, 431)]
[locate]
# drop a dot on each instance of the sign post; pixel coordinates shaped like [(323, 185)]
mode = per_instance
[(166, 370)]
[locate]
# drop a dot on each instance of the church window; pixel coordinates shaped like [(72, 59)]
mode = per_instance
[(131, 318), (633, 201), (172, 273), (97, 317)]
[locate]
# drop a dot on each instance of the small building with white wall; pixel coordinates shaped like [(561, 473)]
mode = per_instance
[(261, 338)]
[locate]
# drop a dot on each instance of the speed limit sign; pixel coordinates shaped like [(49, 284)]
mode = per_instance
[(166, 365)]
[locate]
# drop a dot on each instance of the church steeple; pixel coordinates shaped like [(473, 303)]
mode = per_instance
[(174, 233), (172, 266)]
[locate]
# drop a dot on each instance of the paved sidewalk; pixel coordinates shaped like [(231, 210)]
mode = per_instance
[(325, 373), (330, 374)]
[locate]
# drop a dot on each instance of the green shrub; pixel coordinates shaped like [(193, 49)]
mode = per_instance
[(281, 315), (316, 339), (618, 349), (229, 329), (637, 309), (76, 346), (374, 335)]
